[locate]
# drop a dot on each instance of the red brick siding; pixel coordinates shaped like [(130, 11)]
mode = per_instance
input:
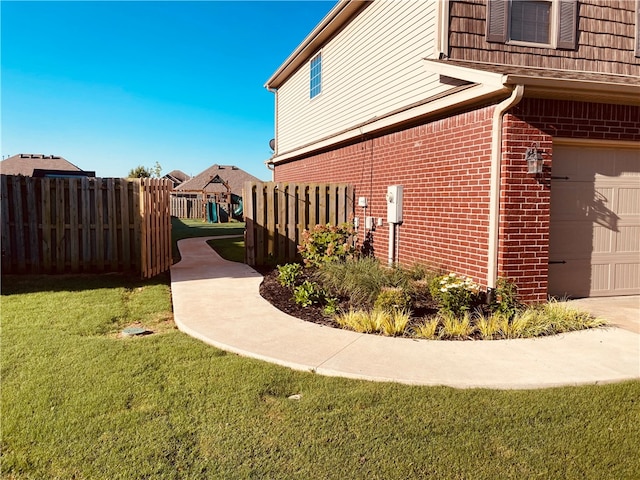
[(525, 203), (445, 169)]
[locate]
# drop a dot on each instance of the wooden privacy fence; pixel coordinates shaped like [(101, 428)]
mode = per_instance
[(60, 225), (187, 206), (277, 213)]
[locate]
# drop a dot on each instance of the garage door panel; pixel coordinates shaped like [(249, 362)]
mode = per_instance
[(628, 201), (627, 277), (570, 279), (595, 221), (628, 239), (570, 236)]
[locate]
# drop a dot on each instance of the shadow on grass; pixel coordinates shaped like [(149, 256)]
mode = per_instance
[(17, 284), (181, 228)]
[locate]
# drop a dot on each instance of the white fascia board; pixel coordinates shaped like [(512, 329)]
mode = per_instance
[(468, 96), (463, 73)]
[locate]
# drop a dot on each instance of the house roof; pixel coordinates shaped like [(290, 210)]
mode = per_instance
[(28, 163), (545, 82), (206, 180), (177, 176)]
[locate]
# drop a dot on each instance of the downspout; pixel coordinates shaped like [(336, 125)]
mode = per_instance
[(494, 199)]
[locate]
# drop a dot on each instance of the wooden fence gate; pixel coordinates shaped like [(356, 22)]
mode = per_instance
[(277, 213), (61, 225)]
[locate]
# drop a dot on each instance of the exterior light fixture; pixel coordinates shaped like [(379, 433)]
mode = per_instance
[(534, 159)]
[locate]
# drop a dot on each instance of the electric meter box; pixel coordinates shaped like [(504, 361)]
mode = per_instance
[(394, 203)]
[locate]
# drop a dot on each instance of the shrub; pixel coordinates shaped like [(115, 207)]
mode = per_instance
[(307, 294), (389, 323), (360, 321), (427, 328), (454, 326), (331, 306), (505, 301), (392, 298), (359, 279), (490, 327), (394, 322), (456, 295), (288, 274), (327, 243)]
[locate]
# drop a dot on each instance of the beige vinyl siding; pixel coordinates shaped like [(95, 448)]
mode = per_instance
[(369, 69)]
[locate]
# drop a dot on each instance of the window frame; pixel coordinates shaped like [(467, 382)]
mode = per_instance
[(563, 24), (315, 80), (553, 6)]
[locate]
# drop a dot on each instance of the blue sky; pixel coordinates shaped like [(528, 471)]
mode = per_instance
[(113, 85)]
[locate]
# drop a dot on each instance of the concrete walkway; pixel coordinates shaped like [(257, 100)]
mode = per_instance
[(218, 302)]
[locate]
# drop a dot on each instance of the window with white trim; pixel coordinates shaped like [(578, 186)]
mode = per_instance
[(315, 76), (547, 23)]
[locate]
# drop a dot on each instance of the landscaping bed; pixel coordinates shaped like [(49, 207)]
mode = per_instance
[(340, 287)]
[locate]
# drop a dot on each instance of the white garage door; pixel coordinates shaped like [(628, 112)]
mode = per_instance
[(594, 239)]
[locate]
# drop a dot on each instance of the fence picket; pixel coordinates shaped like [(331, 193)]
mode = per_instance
[(81, 224), (276, 215), (85, 223), (60, 249), (248, 195), (5, 229)]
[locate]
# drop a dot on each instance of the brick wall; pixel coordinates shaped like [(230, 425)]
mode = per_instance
[(525, 203), (444, 166)]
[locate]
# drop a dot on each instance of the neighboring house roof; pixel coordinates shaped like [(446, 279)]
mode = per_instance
[(545, 81), (38, 165), (206, 180), (177, 177)]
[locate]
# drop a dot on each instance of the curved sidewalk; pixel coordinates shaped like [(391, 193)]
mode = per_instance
[(218, 302)]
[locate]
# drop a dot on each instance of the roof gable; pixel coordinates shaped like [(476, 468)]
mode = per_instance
[(211, 179), (26, 163)]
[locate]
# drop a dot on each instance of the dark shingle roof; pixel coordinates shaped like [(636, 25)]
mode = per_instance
[(26, 163), (229, 173)]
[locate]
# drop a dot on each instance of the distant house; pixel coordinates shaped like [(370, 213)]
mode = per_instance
[(197, 197), (206, 180), (177, 177), (513, 128), (38, 165)]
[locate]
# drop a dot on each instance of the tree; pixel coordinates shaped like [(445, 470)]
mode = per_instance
[(139, 172), (144, 172)]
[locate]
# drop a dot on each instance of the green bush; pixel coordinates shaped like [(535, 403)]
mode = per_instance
[(505, 300), (455, 294), (392, 298), (288, 274), (389, 323), (362, 279), (327, 243), (307, 294)]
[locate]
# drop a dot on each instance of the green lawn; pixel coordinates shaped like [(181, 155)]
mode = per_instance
[(185, 228), (80, 402)]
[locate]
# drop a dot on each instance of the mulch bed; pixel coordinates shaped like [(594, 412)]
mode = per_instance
[(281, 298)]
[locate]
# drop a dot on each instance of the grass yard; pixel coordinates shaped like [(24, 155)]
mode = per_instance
[(187, 228), (78, 401)]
